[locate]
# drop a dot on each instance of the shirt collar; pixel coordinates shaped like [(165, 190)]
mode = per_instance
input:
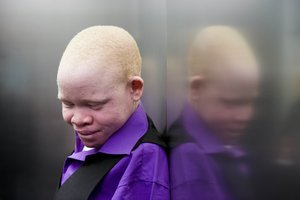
[(204, 137), (122, 141)]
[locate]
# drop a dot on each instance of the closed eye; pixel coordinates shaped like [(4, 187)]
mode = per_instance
[(67, 104), (96, 105)]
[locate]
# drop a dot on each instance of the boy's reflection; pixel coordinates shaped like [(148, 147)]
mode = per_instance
[(206, 159)]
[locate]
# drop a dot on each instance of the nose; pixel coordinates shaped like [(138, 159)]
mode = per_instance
[(80, 119)]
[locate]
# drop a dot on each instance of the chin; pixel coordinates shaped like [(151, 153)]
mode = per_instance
[(236, 137), (231, 137)]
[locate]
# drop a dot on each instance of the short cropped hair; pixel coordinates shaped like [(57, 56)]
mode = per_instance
[(215, 44), (103, 43)]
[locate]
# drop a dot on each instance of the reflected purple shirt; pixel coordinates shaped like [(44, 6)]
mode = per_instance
[(193, 171), (141, 174)]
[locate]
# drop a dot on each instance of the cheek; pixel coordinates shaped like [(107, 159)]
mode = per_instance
[(116, 113), (67, 115), (124, 105), (113, 116), (109, 122)]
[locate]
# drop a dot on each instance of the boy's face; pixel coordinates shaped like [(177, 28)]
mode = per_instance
[(95, 102), (226, 102)]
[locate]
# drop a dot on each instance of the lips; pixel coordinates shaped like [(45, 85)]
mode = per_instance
[(86, 133)]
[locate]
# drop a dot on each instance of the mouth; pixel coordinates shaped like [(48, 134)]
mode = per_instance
[(86, 133)]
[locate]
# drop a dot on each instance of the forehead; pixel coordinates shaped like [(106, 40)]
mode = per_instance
[(91, 68), (86, 80), (236, 81)]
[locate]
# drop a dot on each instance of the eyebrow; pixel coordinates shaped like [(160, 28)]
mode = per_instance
[(95, 101), (87, 101)]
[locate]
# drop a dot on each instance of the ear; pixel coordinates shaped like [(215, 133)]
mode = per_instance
[(136, 84), (196, 83)]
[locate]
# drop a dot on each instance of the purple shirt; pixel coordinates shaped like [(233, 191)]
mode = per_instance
[(141, 174), (194, 172)]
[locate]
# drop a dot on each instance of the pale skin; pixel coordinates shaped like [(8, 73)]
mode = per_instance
[(225, 99), (96, 102)]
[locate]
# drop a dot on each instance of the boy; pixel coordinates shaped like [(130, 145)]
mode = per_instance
[(206, 160), (118, 154)]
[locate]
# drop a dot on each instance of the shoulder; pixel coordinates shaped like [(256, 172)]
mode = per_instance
[(148, 163), (150, 149), (189, 164), (146, 175), (148, 155), (188, 156)]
